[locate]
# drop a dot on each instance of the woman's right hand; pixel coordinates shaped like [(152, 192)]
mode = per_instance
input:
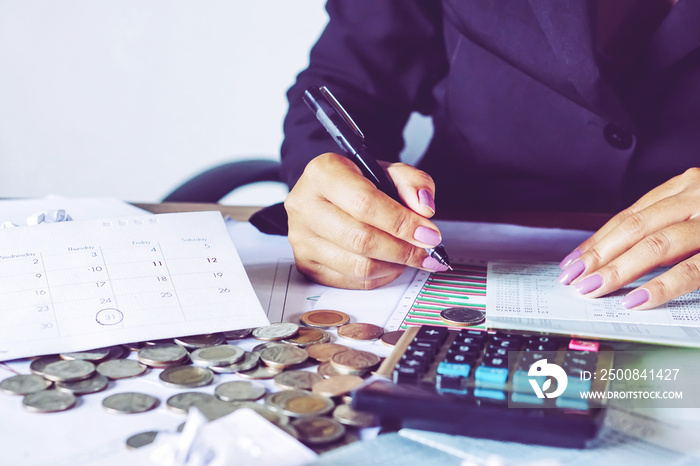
[(348, 234)]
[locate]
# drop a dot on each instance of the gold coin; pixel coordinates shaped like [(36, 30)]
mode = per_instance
[(318, 430), (324, 318), (186, 376), (297, 380), (360, 331), (350, 417), (354, 362), (337, 385), (391, 338), (299, 403), (324, 351), (308, 336)]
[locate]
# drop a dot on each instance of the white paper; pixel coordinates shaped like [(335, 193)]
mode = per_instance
[(526, 295), (79, 208), (73, 286)]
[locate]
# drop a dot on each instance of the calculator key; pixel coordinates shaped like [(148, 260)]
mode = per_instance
[(472, 333), (584, 345), (476, 349), (461, 358), (454, 369), (575, 386), (576, 371), (414, 364), (495, 395), (496, 353), (495, 362), (514, 337), (521, 382), (571, 403), (581, 357), (420, 355), (530, 357), (451, 384), (422, 346), (432, 334), (538, 346), (491, 377), (526, 398), (469, 341), (507, 344), (406, 375)]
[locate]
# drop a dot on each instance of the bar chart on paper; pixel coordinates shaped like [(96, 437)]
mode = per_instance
[(430, 293)]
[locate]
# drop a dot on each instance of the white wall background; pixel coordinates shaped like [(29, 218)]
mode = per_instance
[(128, 98)]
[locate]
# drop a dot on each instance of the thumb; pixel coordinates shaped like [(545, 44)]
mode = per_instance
[(416, 188)]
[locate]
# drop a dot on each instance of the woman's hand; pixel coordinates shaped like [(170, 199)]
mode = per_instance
[(661, 228), (346, 233)]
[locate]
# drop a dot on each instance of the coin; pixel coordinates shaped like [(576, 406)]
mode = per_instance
[(296, 380), (141, 440), (215, 408), (462, 316), (95, 355), (318, 430), (336, 385), (360, 331), (68, 371), (164, 341), (283, 356), (37, 366), (391, 338), (135, 346), (308, 336), (299, 403), (270, 344), (259, 373), (238, 334), (354, 362), (273, 416), (162, 355), (48, 401), (219, 355), (350, 417), (186, 376), (326, 370), (182, 402), (201, 341), (24, 384), (240, 391), (250, 361), (94, 384), (324, 351), (324, 318), (278, 331), (121, 368), (129, 403)]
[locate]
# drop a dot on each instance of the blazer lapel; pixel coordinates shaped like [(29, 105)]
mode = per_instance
[(568, 25)]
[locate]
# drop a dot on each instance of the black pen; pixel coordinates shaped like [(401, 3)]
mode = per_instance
[(345, 132)]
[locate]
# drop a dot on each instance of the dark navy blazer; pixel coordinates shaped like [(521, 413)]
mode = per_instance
[(523, 117)]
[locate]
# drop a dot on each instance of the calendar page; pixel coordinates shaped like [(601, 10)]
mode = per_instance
[(73, 286)]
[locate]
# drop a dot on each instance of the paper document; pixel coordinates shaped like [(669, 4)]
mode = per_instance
[(78, 285), (527, 296)]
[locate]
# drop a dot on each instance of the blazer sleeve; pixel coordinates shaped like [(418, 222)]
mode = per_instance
[(380, 58)]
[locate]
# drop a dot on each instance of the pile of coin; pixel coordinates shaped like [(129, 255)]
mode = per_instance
[(310, 405)]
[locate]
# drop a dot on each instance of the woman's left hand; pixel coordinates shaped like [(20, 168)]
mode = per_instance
[(661, 228)]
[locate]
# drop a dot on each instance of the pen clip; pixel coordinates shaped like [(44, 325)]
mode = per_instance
[(333, 102)]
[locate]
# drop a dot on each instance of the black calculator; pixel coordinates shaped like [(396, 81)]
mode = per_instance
[(501, 385)]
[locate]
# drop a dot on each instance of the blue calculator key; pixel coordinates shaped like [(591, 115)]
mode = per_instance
[(575, 386), (521, 382), (570, 403), (526, 398), (491, 377), (450, 384), (498, 395), (454, 370)]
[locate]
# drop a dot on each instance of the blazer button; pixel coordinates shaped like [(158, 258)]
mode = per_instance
[(618, 137)]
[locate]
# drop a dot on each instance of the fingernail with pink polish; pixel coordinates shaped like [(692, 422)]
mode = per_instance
[(432, 264), (573, 255), (427, 236), (589, 284), (572, 272), (425, 198), (635, 298)]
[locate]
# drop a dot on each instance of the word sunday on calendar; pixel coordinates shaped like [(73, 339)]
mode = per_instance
[(76, 285)]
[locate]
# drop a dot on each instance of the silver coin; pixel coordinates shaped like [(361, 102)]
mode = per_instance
[(259, 373), (462, 316), (95, 355), (297, 380), (263, 346), (182, 402), (121, 368), (283, 356), (299, 403), (37, 366), (141, 440), (240, 391), (318, 430), (137, 345), (69, 371), (186, 376), (162, 355), (275, 417), (48, 401), (219, 355), (164, 341), (24, 384), (238, 334), (200, 341), (277, 331), (94, 384), (250, 361), (129, 403), (118, 352), (346, 415), (215, 408)]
